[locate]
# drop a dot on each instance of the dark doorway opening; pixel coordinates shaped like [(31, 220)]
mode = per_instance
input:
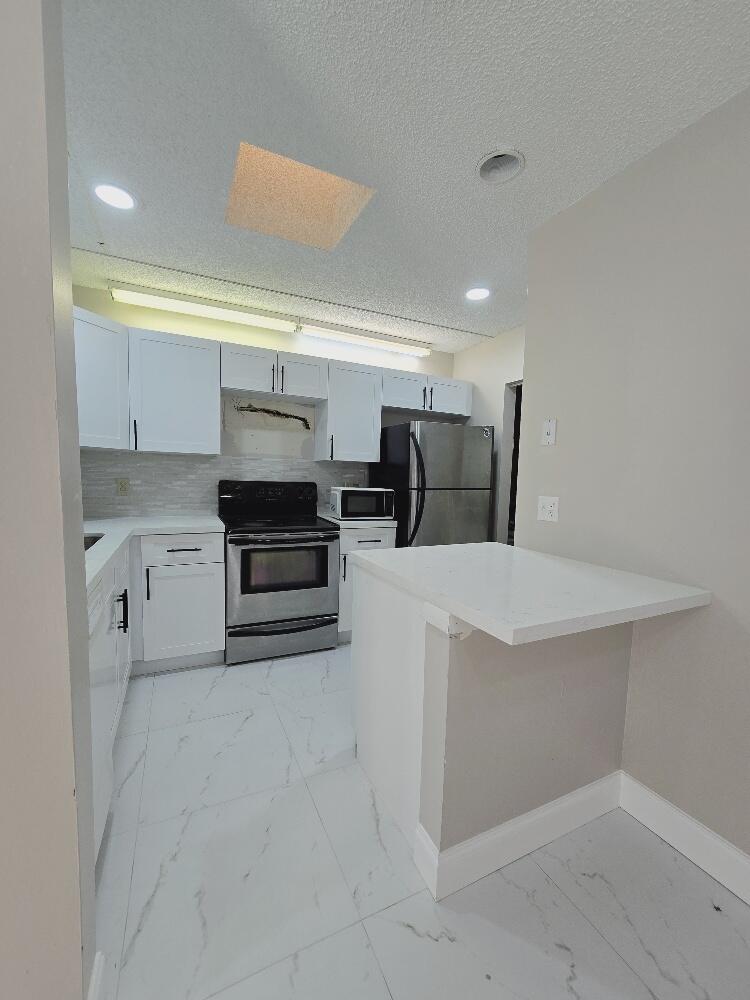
[(514, 465)]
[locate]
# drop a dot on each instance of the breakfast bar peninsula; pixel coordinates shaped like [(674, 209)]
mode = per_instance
[(490, 687)]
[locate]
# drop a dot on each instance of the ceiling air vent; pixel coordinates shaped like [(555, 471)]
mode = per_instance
[(500, 166)]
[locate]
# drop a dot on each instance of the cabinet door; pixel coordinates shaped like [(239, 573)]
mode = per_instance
[(357, 540), (303, 376), (175, 398), (124, 614), (405, 390), (183, 610), (102, 382), (251, 368), (103, 693), (449, 395), (355, 396)]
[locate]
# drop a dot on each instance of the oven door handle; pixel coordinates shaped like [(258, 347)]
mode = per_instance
[(280, 628), (249, 541)]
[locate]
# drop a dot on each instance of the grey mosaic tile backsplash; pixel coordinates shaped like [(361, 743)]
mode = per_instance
[(173, 484)]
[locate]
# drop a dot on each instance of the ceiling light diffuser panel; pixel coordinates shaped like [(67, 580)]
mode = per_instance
[(277, 196)]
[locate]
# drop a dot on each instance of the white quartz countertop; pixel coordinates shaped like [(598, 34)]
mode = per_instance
[(115, 531), (519, 596), (357, 522)]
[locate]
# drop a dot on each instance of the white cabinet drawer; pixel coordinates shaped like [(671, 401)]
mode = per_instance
[(171, 550), (357, 539)]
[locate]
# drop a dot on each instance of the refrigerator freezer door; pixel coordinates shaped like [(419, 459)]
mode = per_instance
[(451, 517), (455, 456)]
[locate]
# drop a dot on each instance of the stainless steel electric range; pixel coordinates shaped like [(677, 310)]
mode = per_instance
[(282, 570)]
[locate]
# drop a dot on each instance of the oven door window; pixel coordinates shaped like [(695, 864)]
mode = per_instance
[(269, 570)]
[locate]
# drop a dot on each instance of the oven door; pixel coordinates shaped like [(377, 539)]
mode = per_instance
[(275, 577)]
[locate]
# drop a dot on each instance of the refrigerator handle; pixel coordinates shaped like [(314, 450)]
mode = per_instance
[(422, 484)]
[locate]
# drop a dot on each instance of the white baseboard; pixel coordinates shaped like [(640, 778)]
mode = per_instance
[(459, 866), (447, 871), (96, 982), (706, 849), (426, 858)]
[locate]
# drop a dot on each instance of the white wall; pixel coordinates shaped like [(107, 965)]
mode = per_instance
[(638, 341), (99, 301), (491, 366), (46, 830)]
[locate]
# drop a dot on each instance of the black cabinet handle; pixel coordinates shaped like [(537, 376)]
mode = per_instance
[(369, 541), (430, 397), (424, 397), (185, 550), (148, 584), (135, 434), (282, 378), (331, 447), (273, 378), (123, 599), (345, 566)]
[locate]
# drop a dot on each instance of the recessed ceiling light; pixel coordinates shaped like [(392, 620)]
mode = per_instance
[(500, 166), (114, 196), (477, 294)]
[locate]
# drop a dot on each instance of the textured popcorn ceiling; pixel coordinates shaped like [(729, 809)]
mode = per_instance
[(403, 97), (277, 196)]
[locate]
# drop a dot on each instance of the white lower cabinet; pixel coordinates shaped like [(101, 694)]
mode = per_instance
[(357, 539), (183, 606), (109, 669)]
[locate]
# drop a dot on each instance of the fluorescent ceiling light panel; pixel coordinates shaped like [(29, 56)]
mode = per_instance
[(379, 345), (277, 196), (206, 310)]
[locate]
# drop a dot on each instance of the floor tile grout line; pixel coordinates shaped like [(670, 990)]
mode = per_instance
[(278, 961), (593, 925), (377, 959), (135, 850)]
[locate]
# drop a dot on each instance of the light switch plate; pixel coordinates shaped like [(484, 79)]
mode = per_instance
[(547, 508), (549, 431)]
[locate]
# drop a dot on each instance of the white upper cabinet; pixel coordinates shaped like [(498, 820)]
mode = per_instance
[(250, 368), (348, 424), (448, 395), (102, 378), (257, 369), (175, 399), (302, 376), (404, 390)]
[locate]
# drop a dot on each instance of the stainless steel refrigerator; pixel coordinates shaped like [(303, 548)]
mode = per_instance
[(442, 477)]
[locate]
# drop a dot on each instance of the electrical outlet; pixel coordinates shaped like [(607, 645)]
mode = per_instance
[(547, 508), (549, 431), (123, 487)]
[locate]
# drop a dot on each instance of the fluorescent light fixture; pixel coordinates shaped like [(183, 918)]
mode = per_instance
[(115, 196), (353, 338), (229, 314), (477, 294), (204, 309)]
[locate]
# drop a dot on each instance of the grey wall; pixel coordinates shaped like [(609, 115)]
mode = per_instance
[(638, 341), (46, 831), (526, 724), (172, 484)]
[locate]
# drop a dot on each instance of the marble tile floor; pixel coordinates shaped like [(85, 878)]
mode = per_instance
[(248, 858)]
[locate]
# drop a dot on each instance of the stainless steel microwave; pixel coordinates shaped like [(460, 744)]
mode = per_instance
[(352, 503)]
